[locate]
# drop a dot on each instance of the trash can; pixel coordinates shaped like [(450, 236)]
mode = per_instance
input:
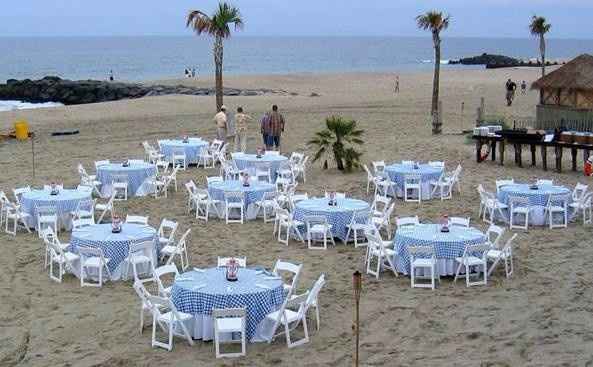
[(21, 129)]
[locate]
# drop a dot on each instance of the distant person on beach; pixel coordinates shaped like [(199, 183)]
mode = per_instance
[(111, 78), (511, 88), (186, 72), (396, 89), (193, 72), (241, 121), (274, 129), (264, 127), (221, 124), (523, 87)]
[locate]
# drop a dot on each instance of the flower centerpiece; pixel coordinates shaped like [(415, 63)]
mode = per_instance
[(54, 189), (534, 186), (116, 224), (416, 166), (332, 198), (126, 163), (259, 152), (445, 224), (232, 270), (245, 179), (185, 139)]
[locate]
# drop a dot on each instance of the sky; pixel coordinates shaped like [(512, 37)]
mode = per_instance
[(470, 18)]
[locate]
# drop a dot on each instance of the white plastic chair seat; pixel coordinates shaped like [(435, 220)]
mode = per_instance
[(496, 204), (64, 246), (521, 210), (319, 228), (69, 257), (94, 262), (163, 240), (290, 316), (101, 206), (555, 208), (358, 226), (470, 261), (170, 250), (168, 316), (140, 259), (423, 263), (229, 324), (297, 223), (233, 204), (18, 215), (495, 254)]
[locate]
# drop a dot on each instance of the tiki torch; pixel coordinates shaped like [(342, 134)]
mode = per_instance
[(357, 285)]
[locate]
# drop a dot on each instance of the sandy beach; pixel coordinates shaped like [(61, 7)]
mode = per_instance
[(542, 316)]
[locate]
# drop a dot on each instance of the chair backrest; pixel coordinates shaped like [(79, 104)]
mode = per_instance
[(369, 174), (417, 251), (500, 183), (182, 243), (141, 248), (476, 250), (19, 191), (191, 187), (46, 210), (178, 153), (544, 182), (516, 201), (223, 261), (119, 178), (84, 188), (314, 292), (86, 252), (48, 235), (508, 246), (558, 200), (381, 203), (407, 221), (101, 163), (85, 209), (459, 221), (167, 226), (212, 179), (437, 164), (234, 196), (285, 266), (159, 272), (579, 191), (412, 179), (137, 219), (312, 220), (494, 235), (378, 166)]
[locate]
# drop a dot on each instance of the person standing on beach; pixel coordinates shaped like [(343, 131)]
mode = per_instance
[(241, 120), (274, 129), (523, 87), (111, 78), (221, 124), (264, 127), (511, 88), (396, 89)]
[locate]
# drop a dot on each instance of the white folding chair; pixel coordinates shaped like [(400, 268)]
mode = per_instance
[(284, 220), (205, 203), (406, 222), (371, 179), (544, 182), (519, 206), (380, 205), (444, 186), (18, 192), (505, 254), (145, 304), (378, 167), (84, 213), (379, 257), (494, 234), (63, 259), (557, 204), (263, 172), (459, 222), (213, 179), (584, 206), (223, 261), (384, 222), (92, 258), (192, 195), (137, 219), (579, 191), (166, 232), (490, 206), (227, 323), (267, 204), (101, 163), (234, 201), (179, 159), (106, 207), (413, 188), (300, 169), (47, 216), (474, 256), (206, 159), (170, 320), (4, 201), (358, 224), (14, 213), (291, 314), (423, 257), (318, 231), (180, 249), (169, 270), (140, 254), (282, 267), (505, 182), (119, 185)]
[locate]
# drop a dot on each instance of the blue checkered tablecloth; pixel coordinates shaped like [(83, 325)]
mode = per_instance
[(447, 246), (338, 216), (65, 202), (248, 161), (253, 193), (198, 293), (428, 173), (115, 245), (137, 174), (538, 199), (192, 148)]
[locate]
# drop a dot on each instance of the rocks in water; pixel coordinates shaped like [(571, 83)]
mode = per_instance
[(496, 61), (68, 92)]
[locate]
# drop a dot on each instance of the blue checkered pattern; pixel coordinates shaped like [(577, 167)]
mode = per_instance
[(115, 245), (248, 161), (446, 245), (218, 293), (137, 174), (338, 216), (253, 193), (65, 202), (537, 197), (192, 148), (397, 171)]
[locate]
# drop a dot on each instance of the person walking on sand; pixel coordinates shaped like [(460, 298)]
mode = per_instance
[(264, 124), (511, 88), (241, 121), (396, 89), (221, 124), (274, 129), (523, 87)]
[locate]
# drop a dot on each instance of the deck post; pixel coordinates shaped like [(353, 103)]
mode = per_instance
[(532, 154), (544, 149), (558, 151), (573, 152)]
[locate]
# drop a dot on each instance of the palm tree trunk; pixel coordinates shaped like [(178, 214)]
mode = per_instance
[(434, 111), (218, 55), (542, 50), (338, 149)]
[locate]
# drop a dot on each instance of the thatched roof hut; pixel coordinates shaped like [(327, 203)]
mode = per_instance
[(567, 93)]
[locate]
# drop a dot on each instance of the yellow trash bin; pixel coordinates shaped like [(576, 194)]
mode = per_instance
[(21, 129)]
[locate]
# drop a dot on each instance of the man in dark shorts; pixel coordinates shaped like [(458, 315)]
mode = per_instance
[(511, 88), (274, 128)]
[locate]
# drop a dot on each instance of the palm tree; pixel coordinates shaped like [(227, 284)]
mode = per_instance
[(435, 22), (539, 27), (216, 26), (332, 141)]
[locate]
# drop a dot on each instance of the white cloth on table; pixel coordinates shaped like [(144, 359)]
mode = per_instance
[(253, 193), (428, 173), (249, 161), (137, 173), (538, 199), (192, 148)]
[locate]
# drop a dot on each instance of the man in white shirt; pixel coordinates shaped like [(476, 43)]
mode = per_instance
[(221, 123)]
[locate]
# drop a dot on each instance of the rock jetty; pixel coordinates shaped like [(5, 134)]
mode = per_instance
[(70, 92), (492, 61)]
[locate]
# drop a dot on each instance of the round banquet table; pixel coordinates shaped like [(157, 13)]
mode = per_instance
[(192, 148), (339, 216), (538, 199), (248, 162), (115, 246), (428, 173), (447, 246), (198, 292), (137, 173), (252, 193), (65, 201)]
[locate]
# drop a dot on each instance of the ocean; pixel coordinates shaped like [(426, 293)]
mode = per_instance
[(156, 57)]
